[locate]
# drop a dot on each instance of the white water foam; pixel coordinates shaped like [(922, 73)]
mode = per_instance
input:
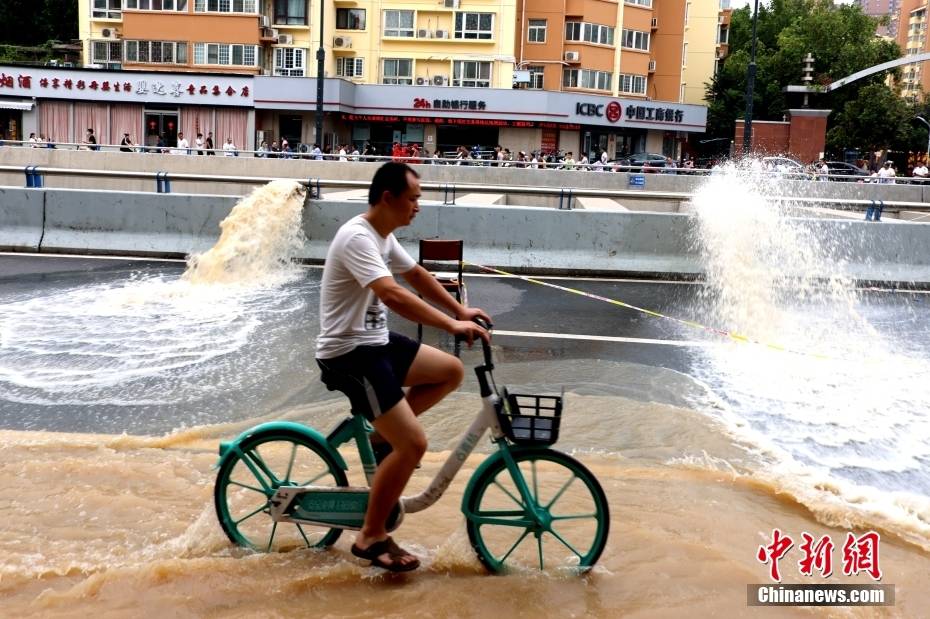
[(97, 344), (846, 415)]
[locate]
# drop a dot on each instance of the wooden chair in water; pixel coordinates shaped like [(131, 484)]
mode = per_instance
[(450, 254)]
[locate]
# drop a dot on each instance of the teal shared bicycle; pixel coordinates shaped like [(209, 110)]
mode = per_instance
[(282, 485)]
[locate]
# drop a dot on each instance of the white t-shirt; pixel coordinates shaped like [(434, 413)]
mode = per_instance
[(350, 313), (921, 171), (229, 149)]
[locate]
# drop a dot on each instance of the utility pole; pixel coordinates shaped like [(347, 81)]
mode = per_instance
[(750, 85), (320, 57)]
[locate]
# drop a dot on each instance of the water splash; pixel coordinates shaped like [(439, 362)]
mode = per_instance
[(856, 412), (259, 239), (155, 338)]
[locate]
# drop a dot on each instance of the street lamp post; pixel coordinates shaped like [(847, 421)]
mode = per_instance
[(750, 84), (320, 57), (924, 121)]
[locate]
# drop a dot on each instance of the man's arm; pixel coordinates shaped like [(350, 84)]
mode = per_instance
[(426, 284), (403, 302)]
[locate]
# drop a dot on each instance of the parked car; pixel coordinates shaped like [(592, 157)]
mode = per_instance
[(785, 167), (849, 173), (637, 161)]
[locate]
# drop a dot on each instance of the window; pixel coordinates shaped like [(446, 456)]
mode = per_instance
[(536, 77), (350, 19), (156, 52), (105, 52), (156, 5), (348, 66), (646, 3), (681, 96), (398, 71), (290, 12), (227, 6), (633, 84), (471, 74), (590, 33), (687, 12), (289, 61), (474, 26), (586, 78), (398, 23), (107, 9), (537, 31), (225, 54), (635, 39), (723, 34)]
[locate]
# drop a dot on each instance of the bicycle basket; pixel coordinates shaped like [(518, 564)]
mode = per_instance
[(530, 419)]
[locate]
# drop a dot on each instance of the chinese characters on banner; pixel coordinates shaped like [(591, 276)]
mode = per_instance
[(142, 87), (859, 554), (449, 104)]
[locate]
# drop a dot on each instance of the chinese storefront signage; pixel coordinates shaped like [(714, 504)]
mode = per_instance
[(473, 122), (613, 111), (420, 103), (54, 85)]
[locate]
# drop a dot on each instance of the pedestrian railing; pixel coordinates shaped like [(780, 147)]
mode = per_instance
[(450, 192)]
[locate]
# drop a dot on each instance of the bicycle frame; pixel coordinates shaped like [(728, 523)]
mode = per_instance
[(345, 507)]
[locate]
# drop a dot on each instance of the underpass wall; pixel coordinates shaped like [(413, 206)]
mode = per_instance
[(522, 239)]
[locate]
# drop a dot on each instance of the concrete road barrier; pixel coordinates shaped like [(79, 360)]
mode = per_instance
[(21, 215), (132, 223), (515, 238)]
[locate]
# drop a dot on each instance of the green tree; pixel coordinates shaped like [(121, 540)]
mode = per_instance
[(35, 22), (877, 119), (841, 39)]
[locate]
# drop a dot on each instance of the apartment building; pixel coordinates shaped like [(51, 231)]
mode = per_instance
[(912, 37), (442, 42), (435, 72), (658, 50), (882, 8)]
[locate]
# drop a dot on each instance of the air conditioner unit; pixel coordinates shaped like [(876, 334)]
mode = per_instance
[(285, 39), (442, 34), (572, 56), (452, 4), (269, 33), (266, 21), (423, 33), (652, 66), (342, 42), (655, 23), (422, 81), (440, 80), (109, 33)]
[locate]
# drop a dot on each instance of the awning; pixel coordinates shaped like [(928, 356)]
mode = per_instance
[(11, 104)]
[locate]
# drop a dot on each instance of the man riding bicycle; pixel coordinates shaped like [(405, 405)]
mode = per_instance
[(359, 356)]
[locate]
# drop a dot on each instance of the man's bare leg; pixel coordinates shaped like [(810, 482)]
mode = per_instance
[(433, 375), (399, 426)]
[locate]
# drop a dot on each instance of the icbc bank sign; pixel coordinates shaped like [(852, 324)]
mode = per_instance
[(613, 111)]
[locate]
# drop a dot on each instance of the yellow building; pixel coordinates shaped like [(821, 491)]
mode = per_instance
[(466, 43), (699, 48)]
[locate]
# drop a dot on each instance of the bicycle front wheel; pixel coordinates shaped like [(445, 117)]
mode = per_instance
[(247, 481), (560, 522)]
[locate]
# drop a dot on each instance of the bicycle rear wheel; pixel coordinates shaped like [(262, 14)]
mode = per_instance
[(562, 526), (248, 480)]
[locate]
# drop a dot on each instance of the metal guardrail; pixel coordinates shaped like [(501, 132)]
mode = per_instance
[(612, 166), (450, 191)]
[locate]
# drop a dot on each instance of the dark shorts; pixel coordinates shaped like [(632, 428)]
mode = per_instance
[(371, 376)]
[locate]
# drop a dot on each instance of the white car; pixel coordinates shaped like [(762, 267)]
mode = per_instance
[(785, 167)]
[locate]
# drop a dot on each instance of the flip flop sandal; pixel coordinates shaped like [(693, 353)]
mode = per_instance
[(390, 548)]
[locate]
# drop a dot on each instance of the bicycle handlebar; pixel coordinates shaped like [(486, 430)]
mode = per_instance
[(485, 347)]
